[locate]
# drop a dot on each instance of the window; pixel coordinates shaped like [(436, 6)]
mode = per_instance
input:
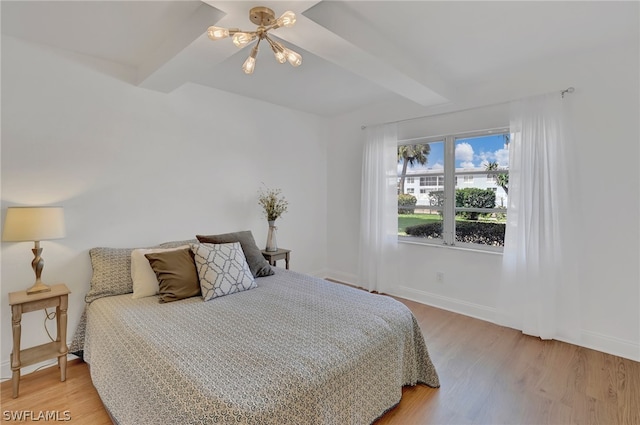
[(410, 180), (464, 185), (410, 190), (431, 181)]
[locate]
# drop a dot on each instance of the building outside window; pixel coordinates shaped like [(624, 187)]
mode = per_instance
[(463, 189)]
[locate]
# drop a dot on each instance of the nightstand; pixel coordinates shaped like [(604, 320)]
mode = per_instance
[(21, 303), (280, 254)]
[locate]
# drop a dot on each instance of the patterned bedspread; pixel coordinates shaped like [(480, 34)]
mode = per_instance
[(295, 350)]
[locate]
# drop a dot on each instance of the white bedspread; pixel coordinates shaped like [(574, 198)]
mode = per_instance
[(295, 350)]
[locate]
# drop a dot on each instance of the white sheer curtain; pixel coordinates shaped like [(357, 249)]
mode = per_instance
[(379, 209), (539, 292)]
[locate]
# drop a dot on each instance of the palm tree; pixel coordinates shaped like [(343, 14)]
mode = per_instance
[(411, 155), (502, 179)]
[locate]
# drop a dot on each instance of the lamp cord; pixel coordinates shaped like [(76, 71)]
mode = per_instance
[(48, 316)]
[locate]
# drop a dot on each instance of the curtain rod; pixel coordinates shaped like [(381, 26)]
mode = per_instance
[(562, 93)]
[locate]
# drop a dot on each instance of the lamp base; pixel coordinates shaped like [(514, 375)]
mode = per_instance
[(37, 288)]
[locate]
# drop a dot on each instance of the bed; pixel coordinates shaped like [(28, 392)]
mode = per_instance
[(293, 350)]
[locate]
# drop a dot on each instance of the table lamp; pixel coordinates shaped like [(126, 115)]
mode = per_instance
[(34, 224)]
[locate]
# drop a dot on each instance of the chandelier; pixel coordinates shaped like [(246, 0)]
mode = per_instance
[(266, 21)]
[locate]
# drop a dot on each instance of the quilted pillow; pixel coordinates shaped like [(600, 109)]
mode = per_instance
[(222, 269), (111, 272), (177, 244), (257, 264)]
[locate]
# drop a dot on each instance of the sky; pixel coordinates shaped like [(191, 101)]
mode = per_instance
[(471, 153)]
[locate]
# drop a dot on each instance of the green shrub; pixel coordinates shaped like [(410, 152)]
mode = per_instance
[(427, 230), (473, 197), (466, 231), (406, 200), (480, 232)]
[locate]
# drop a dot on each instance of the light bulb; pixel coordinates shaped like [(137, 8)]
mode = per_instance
[(250, 64), (278, 50), (294, 58), (241, 39), (217, 33), (288, 19), (280, 57)]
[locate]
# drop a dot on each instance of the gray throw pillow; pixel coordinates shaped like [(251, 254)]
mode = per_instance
[(257, 264)]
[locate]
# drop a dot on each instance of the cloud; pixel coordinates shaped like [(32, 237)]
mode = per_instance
[(464, 152), (467, 164), (437, 166), (502, 157)]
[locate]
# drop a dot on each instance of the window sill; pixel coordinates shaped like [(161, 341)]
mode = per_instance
[(483, 249)]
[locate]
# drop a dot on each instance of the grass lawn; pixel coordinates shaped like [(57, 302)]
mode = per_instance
[(405, 220)]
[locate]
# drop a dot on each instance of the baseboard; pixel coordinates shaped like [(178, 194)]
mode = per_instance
[(593, 340), (466, 308), (611, 345), (346, 278)]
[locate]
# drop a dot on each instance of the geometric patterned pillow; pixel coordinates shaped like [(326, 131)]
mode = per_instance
[(222, 269), (258, 265)]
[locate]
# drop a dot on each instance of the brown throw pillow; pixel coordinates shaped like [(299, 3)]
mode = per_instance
[(177, 274), (257, 264)]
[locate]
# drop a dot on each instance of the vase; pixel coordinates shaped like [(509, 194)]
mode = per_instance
[(272, 244)]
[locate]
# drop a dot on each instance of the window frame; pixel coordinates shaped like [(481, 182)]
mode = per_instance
[(450, 178)]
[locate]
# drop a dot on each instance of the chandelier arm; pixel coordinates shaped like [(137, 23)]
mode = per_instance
[(269, 41), (236, 30), (277, 50), (257, 44), (272, 27)]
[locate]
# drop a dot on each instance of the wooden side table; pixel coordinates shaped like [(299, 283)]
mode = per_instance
[(20, 303), (280, 254)]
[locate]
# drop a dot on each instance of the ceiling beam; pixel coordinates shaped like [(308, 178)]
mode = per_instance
[(162, 69), (321, 42), (179, 59)]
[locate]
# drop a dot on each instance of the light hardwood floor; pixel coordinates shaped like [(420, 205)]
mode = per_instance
[(489, 375)]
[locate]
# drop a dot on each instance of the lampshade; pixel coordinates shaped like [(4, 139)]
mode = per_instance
[(33, 224)]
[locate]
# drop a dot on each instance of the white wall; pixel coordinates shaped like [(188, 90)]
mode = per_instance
[(605, 109), (134, 167)]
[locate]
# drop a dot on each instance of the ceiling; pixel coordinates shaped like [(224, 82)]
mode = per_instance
[(354, 52)]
